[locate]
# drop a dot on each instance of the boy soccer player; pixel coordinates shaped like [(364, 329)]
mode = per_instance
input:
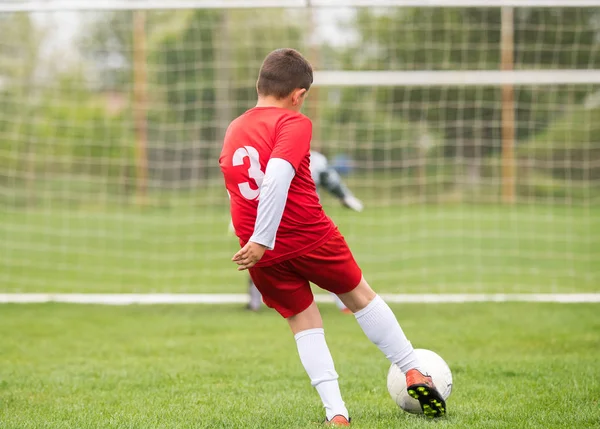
[(288, 241), (326, 177)]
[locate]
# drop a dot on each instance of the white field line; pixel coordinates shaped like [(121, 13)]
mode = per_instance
[(169, 298)]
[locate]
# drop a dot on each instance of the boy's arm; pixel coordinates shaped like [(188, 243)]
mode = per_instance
[(273, 197), (291, 147)]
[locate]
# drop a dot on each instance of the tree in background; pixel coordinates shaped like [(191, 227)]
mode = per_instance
[(452, 39), (52, 125), (202, 67), (19, 53)]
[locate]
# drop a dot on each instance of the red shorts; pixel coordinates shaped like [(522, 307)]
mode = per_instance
[(285, 285)]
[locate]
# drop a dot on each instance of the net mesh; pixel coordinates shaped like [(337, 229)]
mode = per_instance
[(111, 125)]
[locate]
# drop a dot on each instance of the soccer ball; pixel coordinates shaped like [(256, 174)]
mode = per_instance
[(434, 365)]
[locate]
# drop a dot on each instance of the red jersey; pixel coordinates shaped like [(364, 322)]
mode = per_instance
[(251, 141)]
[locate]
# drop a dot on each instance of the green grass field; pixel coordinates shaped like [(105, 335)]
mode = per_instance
[(515, 365), (184, 247), (70, 366)]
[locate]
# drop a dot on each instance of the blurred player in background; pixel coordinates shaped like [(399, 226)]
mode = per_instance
[(287, 241), (325, 177)]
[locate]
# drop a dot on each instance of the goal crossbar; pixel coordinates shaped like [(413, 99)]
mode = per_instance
[(456, 78), (72, 5)]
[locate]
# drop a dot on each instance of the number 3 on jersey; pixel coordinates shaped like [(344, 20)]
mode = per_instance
[(254, 171)]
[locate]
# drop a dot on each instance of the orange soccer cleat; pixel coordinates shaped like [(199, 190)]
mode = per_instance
[(337, 421), (421, 388)]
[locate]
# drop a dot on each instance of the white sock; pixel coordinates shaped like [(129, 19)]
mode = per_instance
[(379, 323), (318, 363)]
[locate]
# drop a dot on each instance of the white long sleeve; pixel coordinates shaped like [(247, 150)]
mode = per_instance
[(273, 197)]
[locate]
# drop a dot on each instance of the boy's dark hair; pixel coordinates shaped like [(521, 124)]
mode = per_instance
[(283, 71)]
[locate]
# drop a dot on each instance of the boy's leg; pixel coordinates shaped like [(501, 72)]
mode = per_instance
[(290, 295), (379, 324), (315, 356), (333, 268), (339, 304)]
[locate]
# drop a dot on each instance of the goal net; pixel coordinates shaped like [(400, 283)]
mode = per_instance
[(469, 129)]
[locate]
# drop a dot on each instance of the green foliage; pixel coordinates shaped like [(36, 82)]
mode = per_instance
[(558, 38), (19, 56), (373, 134), (83, 139), (201, 60), (469, 39), (428, 38), (540, 186), (54, 137), (198, 60), (569, 148), (184, 81), (19, 48), (108, 38), (252, 34)]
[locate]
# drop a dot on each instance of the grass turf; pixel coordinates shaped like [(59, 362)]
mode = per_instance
[(452, 248), (67, 366)]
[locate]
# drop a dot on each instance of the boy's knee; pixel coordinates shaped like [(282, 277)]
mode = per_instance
[(359, 297)]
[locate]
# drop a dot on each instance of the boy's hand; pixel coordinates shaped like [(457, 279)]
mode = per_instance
[(249, 255)]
